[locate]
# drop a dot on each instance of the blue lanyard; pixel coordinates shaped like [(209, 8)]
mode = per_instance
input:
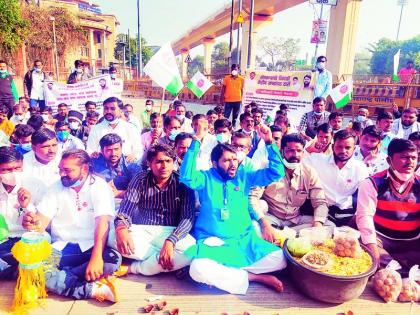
[(225, 194)]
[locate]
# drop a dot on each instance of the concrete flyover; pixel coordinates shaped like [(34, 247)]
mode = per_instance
[(341, 37)]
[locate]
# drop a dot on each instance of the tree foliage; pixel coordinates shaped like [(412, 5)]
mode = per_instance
[(281, 52), (384, 50), (362, 63), (13, 27), (40, 37), (219, 58), (197, 64), (146, 51)]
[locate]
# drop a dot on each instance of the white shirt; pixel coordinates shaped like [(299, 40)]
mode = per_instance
[(375, 165), (73, 214), (260, 157), (204, 155), (72, 142), (37, 90), (339, 184), (401, 131), (135, 122), (9, 204), (15, 120), (129, 134), (187, 125), (4, 139), (46, 173)]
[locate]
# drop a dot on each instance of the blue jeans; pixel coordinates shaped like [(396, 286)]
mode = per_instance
[(8, 264), (67, 277), (40, 103)]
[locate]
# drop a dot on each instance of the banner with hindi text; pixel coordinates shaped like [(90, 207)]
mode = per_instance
[(96, 89), (269, 89)]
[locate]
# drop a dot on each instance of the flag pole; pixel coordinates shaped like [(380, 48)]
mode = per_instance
[(161, 100)]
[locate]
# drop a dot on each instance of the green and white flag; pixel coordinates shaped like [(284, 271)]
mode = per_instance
[(396, 64), (163, 69), (199, 84), (342, 93)]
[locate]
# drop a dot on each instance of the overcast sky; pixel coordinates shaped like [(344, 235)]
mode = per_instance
[(167, 20)]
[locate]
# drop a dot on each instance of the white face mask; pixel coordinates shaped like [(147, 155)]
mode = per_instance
[(234, 72), (79, 71), (113, 122), (148, 108), (11, 179), (240, 155), (74, 125), (45, 117), (403, 177), (321, 65), (223, 137), (113, 75), (290, 166)]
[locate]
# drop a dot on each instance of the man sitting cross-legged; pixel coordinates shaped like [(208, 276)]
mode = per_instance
[(229, 253), (155, 217), (78, 208)]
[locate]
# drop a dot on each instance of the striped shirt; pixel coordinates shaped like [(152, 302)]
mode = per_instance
[(146, 204)]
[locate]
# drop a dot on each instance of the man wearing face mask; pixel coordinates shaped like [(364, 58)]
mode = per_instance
[(9, 94), (407, 124), (208, 142), (311, 120), (42, 161), (340, 176), (78, 74), (388, 208), (186, 123), (368, 151), (113, 123), (33, 84), (229, 254), (18, 116), (66, 141), (131, 118), (231, 94), (78, 208), (145, 115), (21, 138), (247, 126), (77, 129), (278, 204), (323, 78), (171, 127), (363, 117), (18, 194), (223, 130)]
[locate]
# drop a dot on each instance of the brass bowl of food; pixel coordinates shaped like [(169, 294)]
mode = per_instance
[(326, 277)]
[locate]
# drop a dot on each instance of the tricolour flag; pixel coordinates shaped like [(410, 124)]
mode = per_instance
[(342, 93), (199, 84), (162, 69), (396, 64)]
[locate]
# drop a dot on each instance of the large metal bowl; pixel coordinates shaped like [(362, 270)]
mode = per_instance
[(324, 287)]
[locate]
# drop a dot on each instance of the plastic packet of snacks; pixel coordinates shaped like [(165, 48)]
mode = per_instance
[(410, 291), (346, 242), (387, 282), (317, 235)]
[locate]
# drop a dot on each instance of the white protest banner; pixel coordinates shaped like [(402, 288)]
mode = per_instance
[(96, 89), (270, 89)]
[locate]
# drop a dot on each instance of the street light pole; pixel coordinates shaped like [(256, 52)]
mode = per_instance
[(238, 39), (251, 29), (139, 55), (231, 33), (320, 19), (57, 73), (402, 3)]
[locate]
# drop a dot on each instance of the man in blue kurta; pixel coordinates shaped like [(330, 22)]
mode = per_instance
[(228, 253)]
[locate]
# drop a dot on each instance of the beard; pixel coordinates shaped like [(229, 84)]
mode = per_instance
[(67, 182), (224, 174), (341, 157)]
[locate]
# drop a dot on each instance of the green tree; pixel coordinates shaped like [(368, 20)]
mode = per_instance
[(281, 52), (384, 50), (362, 63), (197, 64), (219, 58), (13, 27), (146, 51)]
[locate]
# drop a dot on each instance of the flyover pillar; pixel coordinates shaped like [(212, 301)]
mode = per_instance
[(259, 21), (341, 44), (184, 65), (208, 43)]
